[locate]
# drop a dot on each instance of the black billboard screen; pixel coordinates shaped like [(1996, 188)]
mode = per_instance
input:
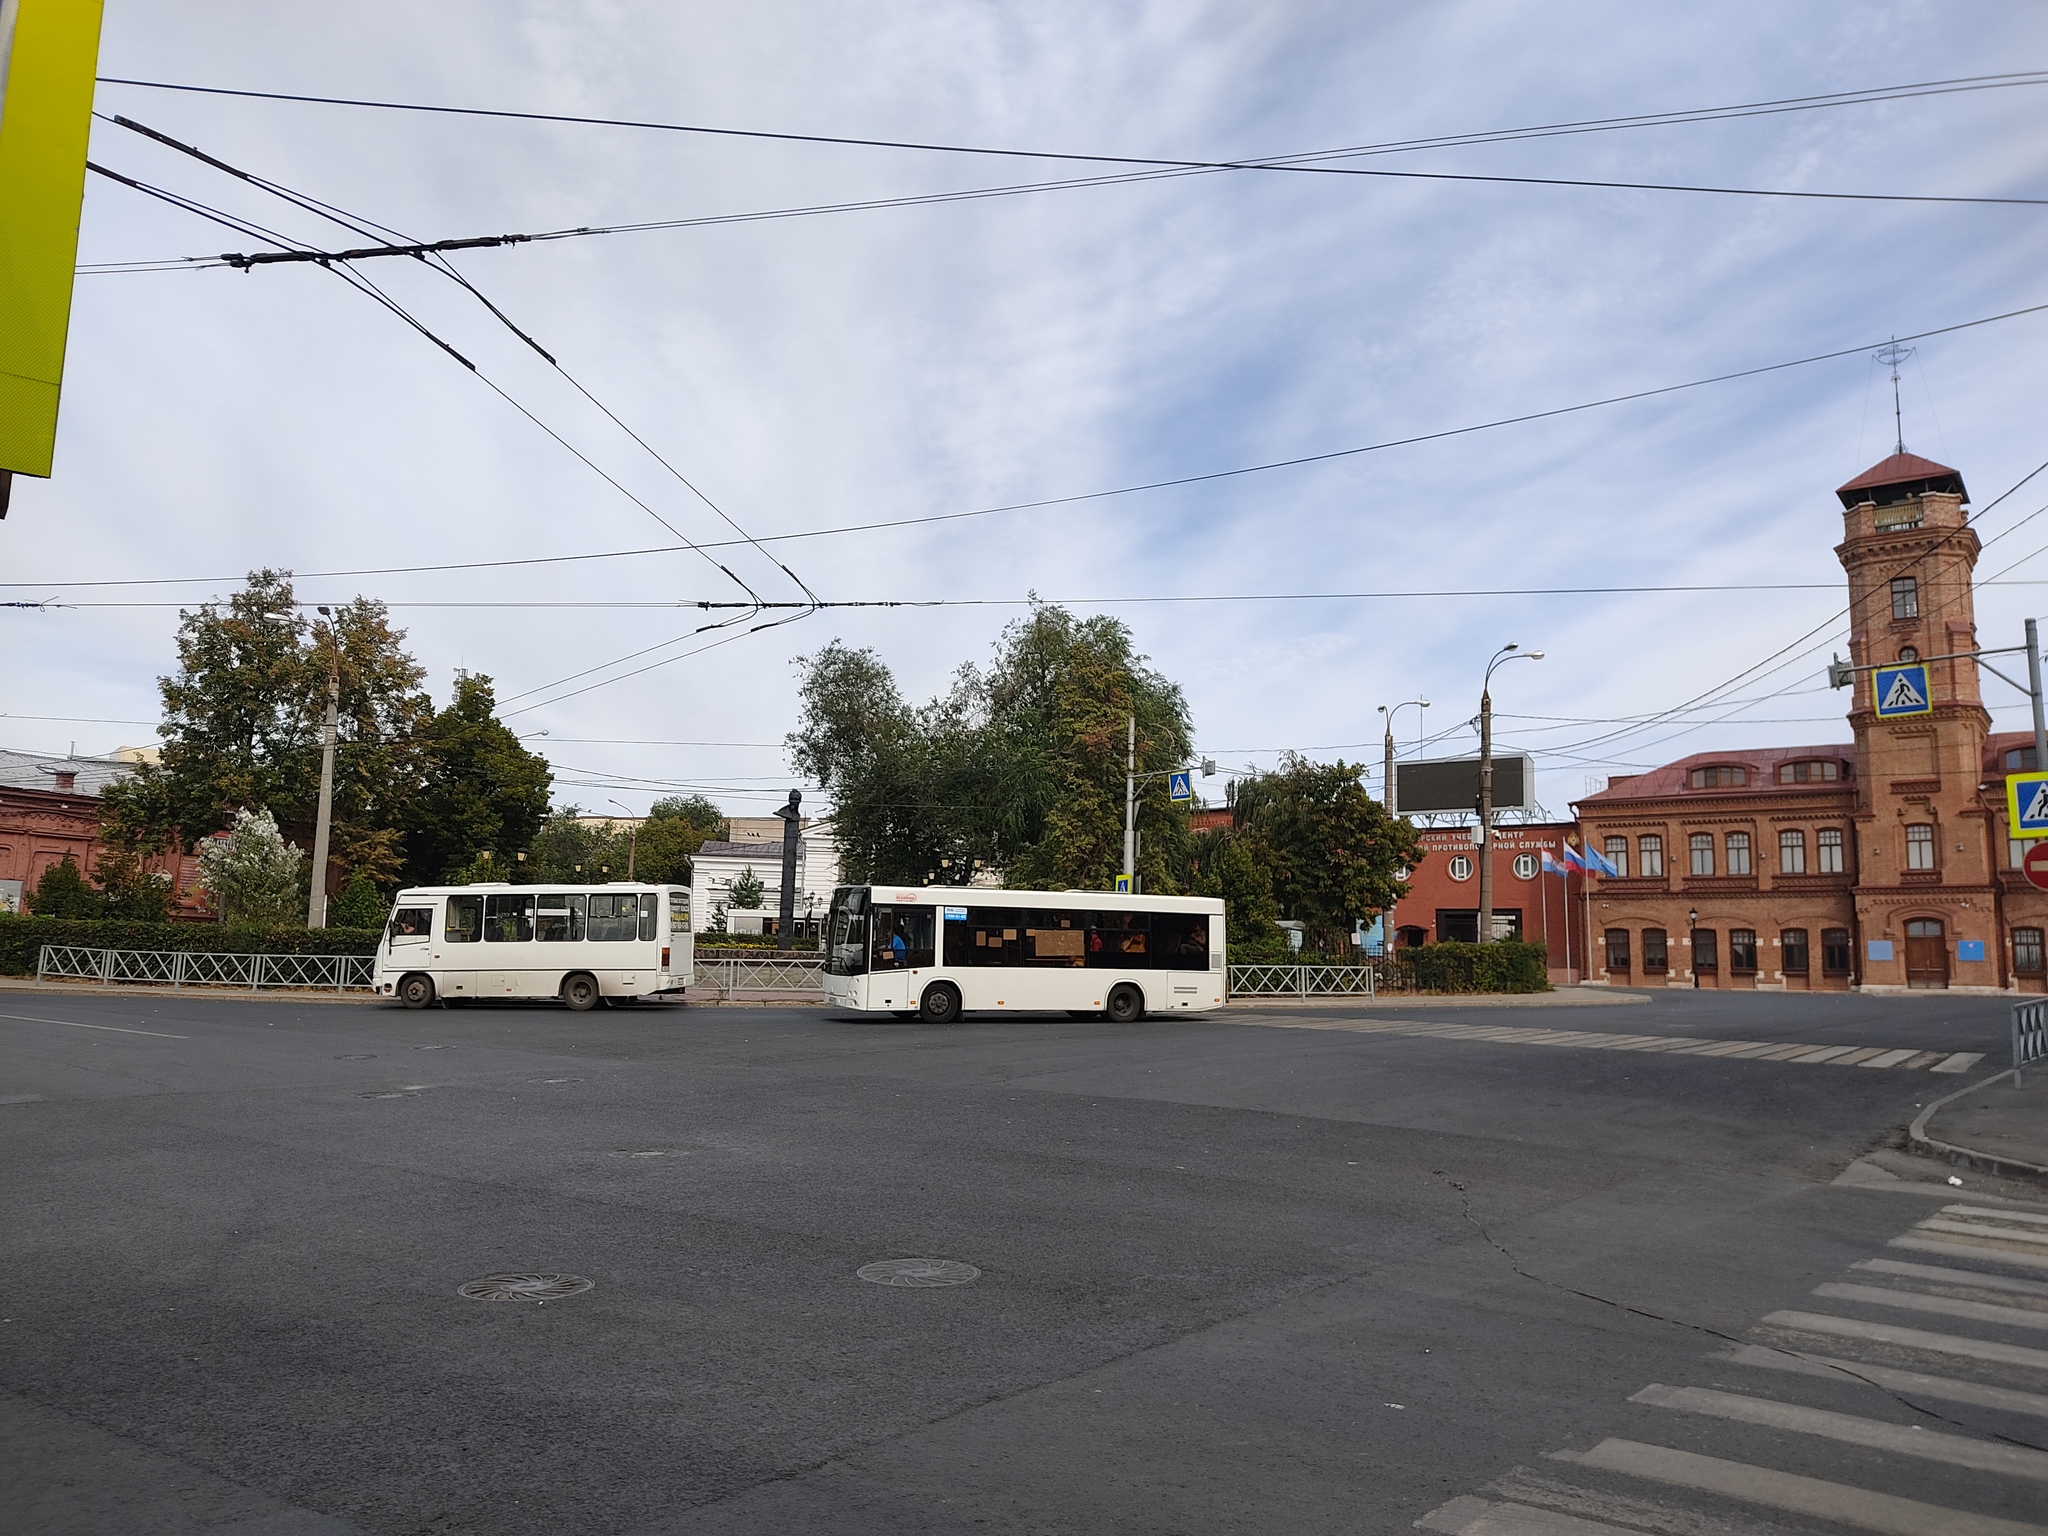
[(1452, 784)]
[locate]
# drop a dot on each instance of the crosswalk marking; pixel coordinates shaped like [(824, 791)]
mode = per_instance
[(1899, 1439), (1973, 1229), (1845, 1505), (1892, 1379), (1911, 1338), (1947, 1276), (1881, 1057), (1996, 1213), (1946, 1306), (1468, 1516), (1972, 1251)]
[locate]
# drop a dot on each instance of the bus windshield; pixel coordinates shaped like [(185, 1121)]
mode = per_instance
[(846, 928)]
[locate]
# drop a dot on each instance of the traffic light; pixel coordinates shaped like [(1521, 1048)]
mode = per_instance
[(1841, 674)]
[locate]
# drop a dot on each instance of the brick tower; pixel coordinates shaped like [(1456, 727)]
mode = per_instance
[(1926, 906)]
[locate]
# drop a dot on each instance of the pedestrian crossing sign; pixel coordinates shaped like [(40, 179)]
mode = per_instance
[(2026, 804), (1899, 691), (1178, 785), (1123, 885)]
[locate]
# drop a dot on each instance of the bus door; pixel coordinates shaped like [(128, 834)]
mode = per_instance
[(455, 948), (409, 936)]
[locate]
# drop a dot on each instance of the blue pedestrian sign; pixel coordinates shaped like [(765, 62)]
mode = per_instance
[(1899, 691), (1178, 785), (1123, 885), (2026, 804)]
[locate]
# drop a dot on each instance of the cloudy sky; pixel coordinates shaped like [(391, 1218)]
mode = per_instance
[(869, 366)]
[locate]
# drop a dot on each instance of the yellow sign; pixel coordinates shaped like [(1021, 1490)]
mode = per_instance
[(2026, 804), (48, 52)]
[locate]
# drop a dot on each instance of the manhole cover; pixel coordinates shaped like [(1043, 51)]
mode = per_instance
[(523, 1287), (918, 1272), (387, 1095), (651, 1152), (358, 1056), (433, 1047)]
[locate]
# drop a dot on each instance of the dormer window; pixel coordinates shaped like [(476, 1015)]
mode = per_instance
[(1824, 770), (2020, 760), (1725, 776)]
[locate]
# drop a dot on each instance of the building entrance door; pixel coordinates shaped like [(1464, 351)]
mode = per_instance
[(1926, 954)]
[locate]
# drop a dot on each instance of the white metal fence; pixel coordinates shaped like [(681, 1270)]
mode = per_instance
[(197, 968), (1301, 981), (2029, 1035), (771, 973)]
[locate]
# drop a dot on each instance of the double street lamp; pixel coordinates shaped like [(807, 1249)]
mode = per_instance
[(1507, 653), (1390, 797)]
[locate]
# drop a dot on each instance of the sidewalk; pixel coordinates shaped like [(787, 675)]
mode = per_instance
[(1993, 1126), (1560, 997)]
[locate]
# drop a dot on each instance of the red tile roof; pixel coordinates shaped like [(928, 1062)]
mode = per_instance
[(1899, 469), (1762, 763)]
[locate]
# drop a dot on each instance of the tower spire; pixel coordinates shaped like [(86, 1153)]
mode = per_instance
[(1893, 354)]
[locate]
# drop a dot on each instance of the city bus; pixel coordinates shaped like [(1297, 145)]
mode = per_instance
[(935, 952), (582, 944)]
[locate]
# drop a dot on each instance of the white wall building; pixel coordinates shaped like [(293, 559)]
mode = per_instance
[(716, 866)]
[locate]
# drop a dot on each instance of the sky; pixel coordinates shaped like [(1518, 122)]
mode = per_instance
[(861, 367)]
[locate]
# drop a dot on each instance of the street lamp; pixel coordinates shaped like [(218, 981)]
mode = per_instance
[(1392, 800), (316, 900), (1692, 945), (1507, 653)]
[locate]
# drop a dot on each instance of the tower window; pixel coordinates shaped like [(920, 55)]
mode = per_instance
[(1920, 846), (1909, 653), (1905, 597)]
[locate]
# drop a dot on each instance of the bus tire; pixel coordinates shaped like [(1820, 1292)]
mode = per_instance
[(580, 992), (1126, 1004), (940, 1003), (416, 989)]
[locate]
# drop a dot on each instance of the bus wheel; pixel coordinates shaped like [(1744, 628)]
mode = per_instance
[(940, 1004), (1126, 1005), (416, 991), (580, 992)]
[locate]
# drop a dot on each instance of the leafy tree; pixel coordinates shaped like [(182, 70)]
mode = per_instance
[(566, 841), (1220, 863), (695, 811), (671, 835), (129, 891), (747, 890), (360, 904), (253, 874), (62, 892), (482, 790), (1331, 851)]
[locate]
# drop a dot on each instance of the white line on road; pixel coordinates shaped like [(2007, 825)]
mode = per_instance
[(1892, 1379), (1946, 1276), (1994, 1213), (1962, 1061), (1899, 1439), (1911, 1338), (1972, 1251), (1839, 1502), (1467, 1516), (74, 1024), (1971, 1229), (1946, 1306)]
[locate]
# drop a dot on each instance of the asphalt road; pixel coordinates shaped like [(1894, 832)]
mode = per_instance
[(1274, 1271)]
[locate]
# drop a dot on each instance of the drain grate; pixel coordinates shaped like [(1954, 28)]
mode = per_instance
[(922, 1273), (524, 1287)]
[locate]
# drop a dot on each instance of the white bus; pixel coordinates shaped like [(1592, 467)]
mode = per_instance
[(935, 953), (578, 943)]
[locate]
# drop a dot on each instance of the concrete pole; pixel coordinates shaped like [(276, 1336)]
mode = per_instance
[(2034, 686), (316, 901), (1389, 797), (1131, 802), (1486, 815)]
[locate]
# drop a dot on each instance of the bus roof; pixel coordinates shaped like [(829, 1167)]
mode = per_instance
[(983, 896)]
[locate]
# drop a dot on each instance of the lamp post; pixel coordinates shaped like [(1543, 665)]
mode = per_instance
[(316, 900), (1392, 799), (1508, 652), (1692, 945), (1131, 779), (633, 838)]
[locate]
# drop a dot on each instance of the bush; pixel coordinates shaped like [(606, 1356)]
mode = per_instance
[(22, 937), (711, 938), (359, 904), (1509, 965)]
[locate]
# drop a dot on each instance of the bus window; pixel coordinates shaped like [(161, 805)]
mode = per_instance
[(412, 925), (678, 910), (614, 916), (903, 938), (465, 920), (508, 919), (647, 915), (846, 928), (561, 919), (1180, 941), (1055, 938), (1121, 939), (990, 936)]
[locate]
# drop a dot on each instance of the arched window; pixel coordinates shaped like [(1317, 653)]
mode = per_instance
[(1722, 776), (1825, 770)]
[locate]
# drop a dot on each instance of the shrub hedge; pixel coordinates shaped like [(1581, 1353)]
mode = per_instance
[(22, 937), (706, 939), (1509, 965)]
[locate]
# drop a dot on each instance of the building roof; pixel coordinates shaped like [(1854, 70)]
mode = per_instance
[(1902, 472), (39, 770), (1672, 779), (750, 852)]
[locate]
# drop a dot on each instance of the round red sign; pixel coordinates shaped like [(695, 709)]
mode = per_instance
[(2035, 865)]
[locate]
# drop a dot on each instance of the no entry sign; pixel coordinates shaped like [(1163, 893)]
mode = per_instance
[(2035, 866)]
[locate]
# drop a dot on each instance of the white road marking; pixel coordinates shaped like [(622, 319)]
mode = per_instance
[(1946, 1276), (1838, 1502), (1962, 1061), (1911, 1338), (1899, 1439), (1972, 1251), (26, 1018), (1891, 1379), (1946, 1306), (1971, 1229), (1995, 1213), (1888, 1059), (1467, 1516)]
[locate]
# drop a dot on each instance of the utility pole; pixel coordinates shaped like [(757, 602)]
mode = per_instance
[(632, 836), (316, 901), (1131, 801), (2034, 687)]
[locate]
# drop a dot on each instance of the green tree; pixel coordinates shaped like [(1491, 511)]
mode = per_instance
[(63, 892), (359, 905), (128, 890), (1333, 854), (565, 842), (1221, 863), (671, 835), (253, 874), (482, 790), (747, 890)]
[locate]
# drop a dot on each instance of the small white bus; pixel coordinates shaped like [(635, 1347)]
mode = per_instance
[(935, 952), (579, 943)]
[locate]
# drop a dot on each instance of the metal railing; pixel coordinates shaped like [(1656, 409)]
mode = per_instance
[(1301, 981), (768, 974), (2029, 1035), (200, 968)]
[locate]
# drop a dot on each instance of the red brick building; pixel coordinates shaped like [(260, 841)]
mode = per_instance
[(1442, 903), (50, 811), (1878, 863)]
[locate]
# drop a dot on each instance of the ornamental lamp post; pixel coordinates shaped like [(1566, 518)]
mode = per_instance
[(1507, 653), (1390, 796), (1692, 945)]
